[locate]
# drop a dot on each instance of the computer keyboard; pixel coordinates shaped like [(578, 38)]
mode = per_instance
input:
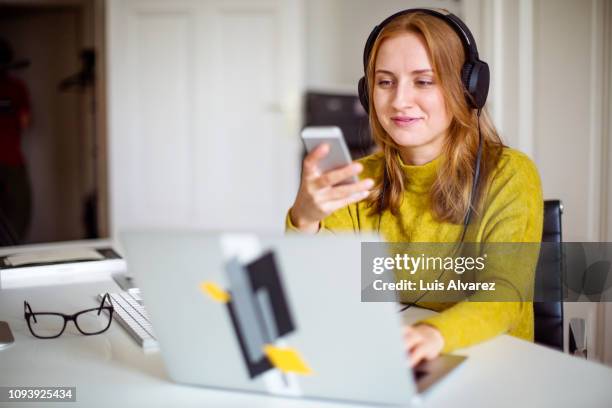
[(130, 313)]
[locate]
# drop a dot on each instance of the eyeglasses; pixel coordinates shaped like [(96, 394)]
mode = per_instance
[(47, 325)]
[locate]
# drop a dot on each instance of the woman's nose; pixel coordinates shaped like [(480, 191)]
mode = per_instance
[(404, 96)]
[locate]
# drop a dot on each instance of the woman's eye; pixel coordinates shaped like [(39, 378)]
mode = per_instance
[(384, 82), (424, 82)]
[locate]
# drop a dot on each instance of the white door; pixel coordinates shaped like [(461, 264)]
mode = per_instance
[(204, 112)]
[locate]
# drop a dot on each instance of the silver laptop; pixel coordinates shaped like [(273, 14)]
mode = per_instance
[(272, 314)]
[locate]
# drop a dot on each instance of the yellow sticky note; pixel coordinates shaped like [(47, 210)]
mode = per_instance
[(215, 292), (287, 360)]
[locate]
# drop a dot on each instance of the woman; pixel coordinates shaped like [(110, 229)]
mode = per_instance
[(427, 178)]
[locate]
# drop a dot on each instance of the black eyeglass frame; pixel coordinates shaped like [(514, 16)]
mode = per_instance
[(29, 314)]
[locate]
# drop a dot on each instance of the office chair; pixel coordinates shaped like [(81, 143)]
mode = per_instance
[(344, 111), (548, 316)]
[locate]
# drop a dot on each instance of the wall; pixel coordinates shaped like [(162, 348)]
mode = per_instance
[(336, 31), (606, 316), (568, 111)]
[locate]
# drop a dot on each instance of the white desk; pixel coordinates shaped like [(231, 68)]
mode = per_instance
[(111, 370)]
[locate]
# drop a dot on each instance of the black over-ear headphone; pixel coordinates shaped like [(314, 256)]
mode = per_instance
[(474, 74)]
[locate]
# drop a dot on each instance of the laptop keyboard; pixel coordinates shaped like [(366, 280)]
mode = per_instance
[(131, 315)]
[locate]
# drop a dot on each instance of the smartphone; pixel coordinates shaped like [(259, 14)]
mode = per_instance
[(338, 155), (6, 337)]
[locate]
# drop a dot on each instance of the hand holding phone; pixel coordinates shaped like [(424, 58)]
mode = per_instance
[(338, 155), (326, 185)]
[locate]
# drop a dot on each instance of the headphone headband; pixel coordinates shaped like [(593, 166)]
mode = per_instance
[(460, 28), (474, 74)]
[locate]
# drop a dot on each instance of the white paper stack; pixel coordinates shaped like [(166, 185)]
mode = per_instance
[(58, 266)]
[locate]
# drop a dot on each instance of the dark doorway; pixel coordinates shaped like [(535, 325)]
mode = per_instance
[(64, 144)]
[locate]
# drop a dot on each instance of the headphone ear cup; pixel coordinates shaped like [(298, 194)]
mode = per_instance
[(478, 84), (475, 78), (466, 76), (362, 89)]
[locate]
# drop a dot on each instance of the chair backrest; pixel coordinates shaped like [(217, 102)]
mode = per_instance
[(344, 111), (548, 316)]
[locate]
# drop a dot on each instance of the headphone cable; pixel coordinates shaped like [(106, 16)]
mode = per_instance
[(468, 215)]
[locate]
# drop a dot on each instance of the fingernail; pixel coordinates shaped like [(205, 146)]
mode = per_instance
[(364, 194), (369, 183), (357, 167)]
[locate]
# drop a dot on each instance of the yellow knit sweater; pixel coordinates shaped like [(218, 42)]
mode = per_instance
[(513, 212)]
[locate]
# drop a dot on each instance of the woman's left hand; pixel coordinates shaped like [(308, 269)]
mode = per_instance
[(422, 342)]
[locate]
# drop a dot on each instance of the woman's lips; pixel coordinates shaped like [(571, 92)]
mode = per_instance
[(404, 121)]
